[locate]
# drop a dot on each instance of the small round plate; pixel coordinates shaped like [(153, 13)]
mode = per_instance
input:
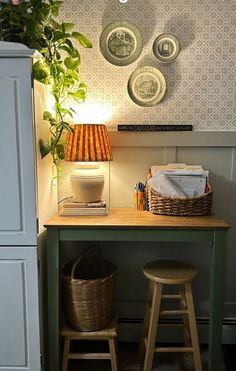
[(166, 47), (121, 43), (146, 86)]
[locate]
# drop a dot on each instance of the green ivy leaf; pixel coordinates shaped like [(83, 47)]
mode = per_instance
[(68, 26), (60, 68), (66, 49), (31, 27), (83, 40), (55, 89), (49, 32), (58, 55), (68, 81), (72, 110), (64, 110), (58, 107), (44, 148), (35, 2), (58, 35), (60, 151), (73, 74), (72, 63), (43, 51), (47, 116), (43, 11), (69, 48), (55, 24), (82, 85), (66, 125), (41, 72), (70, 128), (75, 53), (79, 94), (71, 115), (55, 5), (69, 43)]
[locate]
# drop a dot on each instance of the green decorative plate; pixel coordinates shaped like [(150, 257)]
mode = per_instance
[(146, 86), (121, 43), (166, 47)]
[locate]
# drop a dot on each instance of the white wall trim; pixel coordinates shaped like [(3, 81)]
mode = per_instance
[(173, 139)]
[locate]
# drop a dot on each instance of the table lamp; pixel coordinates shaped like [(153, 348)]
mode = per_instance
[(87, 145)]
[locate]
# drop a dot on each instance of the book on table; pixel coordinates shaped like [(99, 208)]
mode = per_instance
[(70, 207)]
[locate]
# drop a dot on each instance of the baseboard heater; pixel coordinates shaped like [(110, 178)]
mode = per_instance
[(129, 329), (200, 320)]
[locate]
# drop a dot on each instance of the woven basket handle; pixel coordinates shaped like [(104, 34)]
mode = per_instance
[(83, 253)]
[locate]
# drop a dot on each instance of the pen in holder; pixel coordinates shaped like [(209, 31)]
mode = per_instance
[(139, 196)]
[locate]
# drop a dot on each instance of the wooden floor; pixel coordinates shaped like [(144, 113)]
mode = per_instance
[(128, 361)]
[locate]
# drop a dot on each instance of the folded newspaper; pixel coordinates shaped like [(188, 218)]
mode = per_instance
[(179, 180)]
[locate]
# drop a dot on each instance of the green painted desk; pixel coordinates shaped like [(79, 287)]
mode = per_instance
[(132, 225)]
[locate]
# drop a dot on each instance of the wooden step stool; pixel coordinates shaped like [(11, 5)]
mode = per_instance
[(109, 333), (162, 273)]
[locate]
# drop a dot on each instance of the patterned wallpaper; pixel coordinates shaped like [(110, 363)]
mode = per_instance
[(201, 82)]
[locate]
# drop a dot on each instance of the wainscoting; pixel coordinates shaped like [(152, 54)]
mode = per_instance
[(133, 154)]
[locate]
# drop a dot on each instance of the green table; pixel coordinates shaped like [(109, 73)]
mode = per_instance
[(130, 225)]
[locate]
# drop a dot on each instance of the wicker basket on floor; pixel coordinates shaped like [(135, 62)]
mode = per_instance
[(87, 285), (169, 205)]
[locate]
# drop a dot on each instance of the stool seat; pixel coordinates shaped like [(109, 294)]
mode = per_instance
[(109, 333), (170, 272), (161, 273)]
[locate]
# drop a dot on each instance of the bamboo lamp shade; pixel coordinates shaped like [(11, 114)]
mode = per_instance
[(88, 143)]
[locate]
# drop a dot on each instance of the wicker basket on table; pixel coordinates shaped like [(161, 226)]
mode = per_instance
[(87, 285), (169, 205)]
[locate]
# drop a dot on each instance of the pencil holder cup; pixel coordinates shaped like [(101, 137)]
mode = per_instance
[(139, 200)]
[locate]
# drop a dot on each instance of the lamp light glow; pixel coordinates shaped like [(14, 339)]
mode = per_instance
[(96, 112)]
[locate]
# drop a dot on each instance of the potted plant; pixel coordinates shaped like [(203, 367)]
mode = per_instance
[(34, 24)]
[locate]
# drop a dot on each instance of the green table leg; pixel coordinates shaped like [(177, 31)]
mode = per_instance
[(217, 278), (53, 298)]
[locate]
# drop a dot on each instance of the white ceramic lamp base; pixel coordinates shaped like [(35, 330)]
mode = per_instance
[(87, 184)]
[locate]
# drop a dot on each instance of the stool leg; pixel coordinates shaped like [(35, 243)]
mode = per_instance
[(154, 315), (187, 339), (113, 354), (145, 323), (193, 327), (65, 354)]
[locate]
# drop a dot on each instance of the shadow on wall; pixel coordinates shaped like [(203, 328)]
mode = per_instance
[(183, 28), (171, 72), (141, 13)]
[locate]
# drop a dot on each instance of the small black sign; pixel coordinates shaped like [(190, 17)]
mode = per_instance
[(155, 127)]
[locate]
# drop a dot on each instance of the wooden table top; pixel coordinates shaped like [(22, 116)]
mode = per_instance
[(130, 218)]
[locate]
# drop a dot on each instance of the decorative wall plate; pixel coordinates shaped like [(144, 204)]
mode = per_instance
[(146, 86), (121, 43), (166, 47)]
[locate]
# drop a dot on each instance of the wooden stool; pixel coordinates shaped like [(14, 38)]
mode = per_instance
[(169, 273), (109, 333)]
